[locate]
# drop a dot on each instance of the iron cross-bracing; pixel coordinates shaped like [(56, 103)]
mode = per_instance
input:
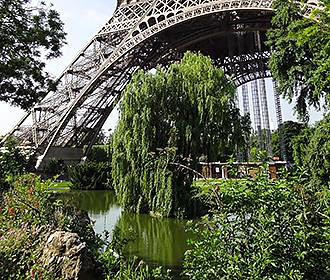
[(144, 34)]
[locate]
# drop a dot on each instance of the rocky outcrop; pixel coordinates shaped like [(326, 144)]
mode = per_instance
[(65, 256)]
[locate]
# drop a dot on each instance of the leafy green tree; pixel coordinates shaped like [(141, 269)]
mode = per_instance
[(173, 116), (318, 156), (300, 60), (312, 151), (27, 34), (300, 145), (288, 130)]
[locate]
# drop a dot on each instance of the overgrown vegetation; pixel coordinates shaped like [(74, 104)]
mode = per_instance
[(262, 229), (180, 115), (27, 214), (284, 136), (90, 176), (94, 174), (14, 162), (311, 150)]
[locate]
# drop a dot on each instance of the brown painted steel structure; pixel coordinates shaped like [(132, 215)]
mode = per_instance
[(141, 35)]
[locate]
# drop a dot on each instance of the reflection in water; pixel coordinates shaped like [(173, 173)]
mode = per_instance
[(157, 241), (94, 202)]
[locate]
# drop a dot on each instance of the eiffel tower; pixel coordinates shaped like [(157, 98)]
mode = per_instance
[(144, 34)]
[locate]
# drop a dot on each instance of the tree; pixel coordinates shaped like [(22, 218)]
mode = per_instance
[(176, 116), (300, 59), (288, 130), (311, 150), (27, 34)]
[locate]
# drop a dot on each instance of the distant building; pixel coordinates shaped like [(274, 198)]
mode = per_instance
[(221, 170)]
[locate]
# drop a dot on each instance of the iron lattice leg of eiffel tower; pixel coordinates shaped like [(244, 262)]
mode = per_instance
[(141, 35), (278, 110)]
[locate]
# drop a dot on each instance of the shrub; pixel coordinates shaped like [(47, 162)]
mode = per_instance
[(55, 167), (90, 176), (28, 213), (100, 153), (312, 151), (262, 229), (14, 162)]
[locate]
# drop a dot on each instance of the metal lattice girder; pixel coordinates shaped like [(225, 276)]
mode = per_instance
[(264, 104), (246, 103), (278, 110), (265, 114), (256, 110), (256, 104), (144, 34), (278, 107), (236, 98)]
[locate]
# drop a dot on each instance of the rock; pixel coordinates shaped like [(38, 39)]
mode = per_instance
[(67, 257)]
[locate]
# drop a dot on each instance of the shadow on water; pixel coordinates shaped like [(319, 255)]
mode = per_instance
[(157, 241), (94, 202)]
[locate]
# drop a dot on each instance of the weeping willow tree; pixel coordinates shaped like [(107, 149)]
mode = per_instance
[(180, 115)]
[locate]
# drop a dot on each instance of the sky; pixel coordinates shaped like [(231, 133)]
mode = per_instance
[(83, 19)]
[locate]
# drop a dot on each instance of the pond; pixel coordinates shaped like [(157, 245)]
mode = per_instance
[(157, 241)]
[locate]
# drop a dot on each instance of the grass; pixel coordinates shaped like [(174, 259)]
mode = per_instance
[(202, 182), (63, 186)]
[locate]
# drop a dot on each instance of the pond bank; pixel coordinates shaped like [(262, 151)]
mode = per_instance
[(157, 241)]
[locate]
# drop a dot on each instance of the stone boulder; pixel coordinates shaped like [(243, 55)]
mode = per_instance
[(67, 257)]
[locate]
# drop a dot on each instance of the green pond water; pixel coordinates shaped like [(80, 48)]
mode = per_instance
[(158, 241)]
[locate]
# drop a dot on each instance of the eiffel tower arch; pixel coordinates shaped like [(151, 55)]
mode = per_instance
[(143, 34)]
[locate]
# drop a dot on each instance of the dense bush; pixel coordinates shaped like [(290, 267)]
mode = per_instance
[(262, 229), (14, 162), (311, 150), (55, 167), (90, 176), (100, 153)]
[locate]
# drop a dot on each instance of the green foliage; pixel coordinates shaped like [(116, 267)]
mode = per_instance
[(312, 151), (55, 167), (288, 130), (89, 176), (178, 115), (300, 145), (300, 60), (14, 162), (262, 229), (28, 213), (27, 33), (257, 155), (100, 153)]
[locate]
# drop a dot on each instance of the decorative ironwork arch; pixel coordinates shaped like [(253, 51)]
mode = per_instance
[(92, 84)]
